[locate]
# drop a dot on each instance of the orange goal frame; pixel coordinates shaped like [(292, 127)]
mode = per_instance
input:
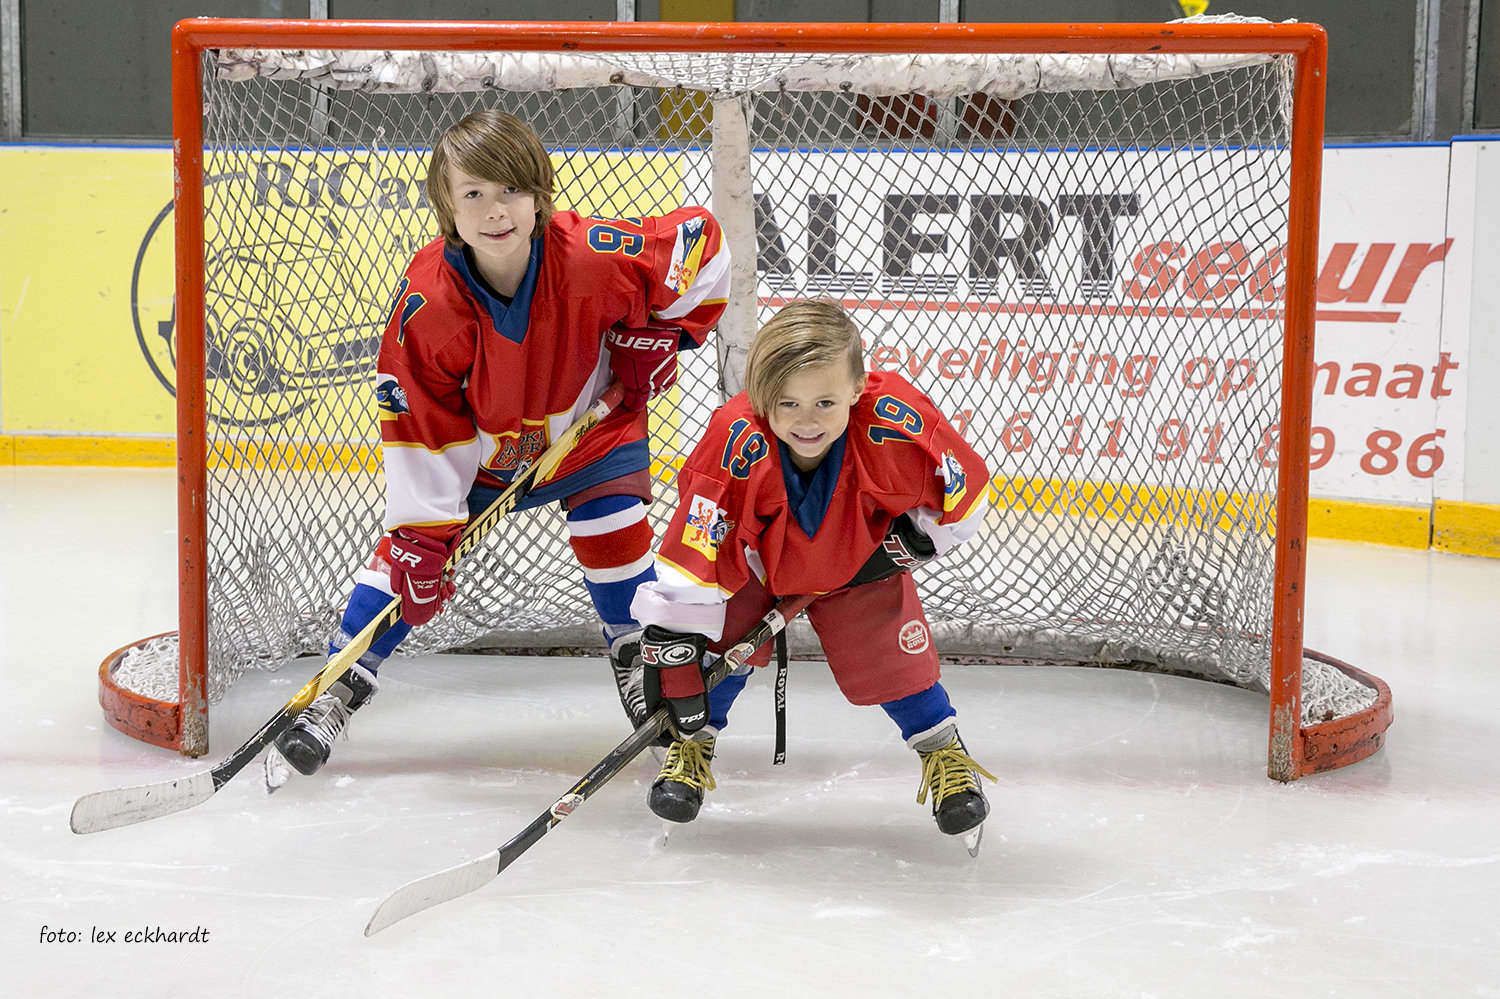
[(1294, 749)]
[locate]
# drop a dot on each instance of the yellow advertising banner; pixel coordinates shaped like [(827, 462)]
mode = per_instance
[(87, 314), (85, 272)]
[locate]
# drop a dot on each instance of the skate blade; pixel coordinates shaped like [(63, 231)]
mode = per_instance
[(277, 770), (666, 831), (972, 839)]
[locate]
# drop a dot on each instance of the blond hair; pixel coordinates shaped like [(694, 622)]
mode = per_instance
[(492, 146), (805, 334)]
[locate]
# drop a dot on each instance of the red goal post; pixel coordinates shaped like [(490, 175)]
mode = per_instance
[(1298, 744)]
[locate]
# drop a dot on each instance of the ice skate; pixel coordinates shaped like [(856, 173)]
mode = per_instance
[(686, 775), (307, 745), (972, 840), (277, 770), (951, 776)]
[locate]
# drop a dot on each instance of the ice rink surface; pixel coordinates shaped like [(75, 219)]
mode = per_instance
[(1136, 847)]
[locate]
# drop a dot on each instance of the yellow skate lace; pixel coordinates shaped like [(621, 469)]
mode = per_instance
[(949, 770), (688, 762)]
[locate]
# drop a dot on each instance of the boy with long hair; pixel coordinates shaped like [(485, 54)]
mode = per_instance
[(504, 331)]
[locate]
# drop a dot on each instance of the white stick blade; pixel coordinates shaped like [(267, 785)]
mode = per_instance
[(434, 889), (125, 806)]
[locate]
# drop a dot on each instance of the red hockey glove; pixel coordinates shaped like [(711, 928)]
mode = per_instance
[(644, 359), (673, 672), (417, 575)]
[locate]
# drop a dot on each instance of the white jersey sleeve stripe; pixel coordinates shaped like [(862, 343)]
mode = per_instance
[(378, 578), (664, 605), (712, 284), (946, 537), (427, 487)]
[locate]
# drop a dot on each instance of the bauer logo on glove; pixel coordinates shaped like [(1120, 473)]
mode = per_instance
[(419, 574), (644, 359), (639, 340)]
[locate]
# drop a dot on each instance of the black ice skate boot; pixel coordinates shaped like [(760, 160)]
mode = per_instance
[(625, 662), (685, 776), (308, 743), (951, 776)]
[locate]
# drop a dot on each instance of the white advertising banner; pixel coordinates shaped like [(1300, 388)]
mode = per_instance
[(1387, 397), (1471, 321), (1123, 324), (1082, 315)]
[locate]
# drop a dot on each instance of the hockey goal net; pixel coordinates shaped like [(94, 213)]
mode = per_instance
[(1092, 245)]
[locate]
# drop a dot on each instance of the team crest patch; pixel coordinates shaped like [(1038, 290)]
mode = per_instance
[(687, 256), (914, 638), (514, 452), (390, 397), (706, 527), (955, 482)]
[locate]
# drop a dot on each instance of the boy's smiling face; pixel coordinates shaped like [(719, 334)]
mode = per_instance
[(812, 410), (496, 221)]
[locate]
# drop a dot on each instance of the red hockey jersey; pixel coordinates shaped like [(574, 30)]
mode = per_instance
[(743, 507), (471, 385)]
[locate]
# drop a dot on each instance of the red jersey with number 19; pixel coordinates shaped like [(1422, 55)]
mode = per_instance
[(473, 386), (744, 508)]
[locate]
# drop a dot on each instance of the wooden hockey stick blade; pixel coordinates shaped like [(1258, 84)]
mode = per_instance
[(444, 886), (128, 805)]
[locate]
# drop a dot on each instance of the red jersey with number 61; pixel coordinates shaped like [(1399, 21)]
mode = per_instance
[(744, 508)]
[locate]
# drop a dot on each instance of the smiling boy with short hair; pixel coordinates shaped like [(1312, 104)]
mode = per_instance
[(818, 479)]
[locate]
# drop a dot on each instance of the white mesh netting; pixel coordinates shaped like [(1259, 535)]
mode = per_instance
[(1078, 257)]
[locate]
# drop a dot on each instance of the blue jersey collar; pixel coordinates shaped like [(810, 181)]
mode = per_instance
[(509, 316), (810, 493)]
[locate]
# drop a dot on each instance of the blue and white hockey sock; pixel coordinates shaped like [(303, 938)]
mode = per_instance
[(365, 603), (611, 539), (921, 715)]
